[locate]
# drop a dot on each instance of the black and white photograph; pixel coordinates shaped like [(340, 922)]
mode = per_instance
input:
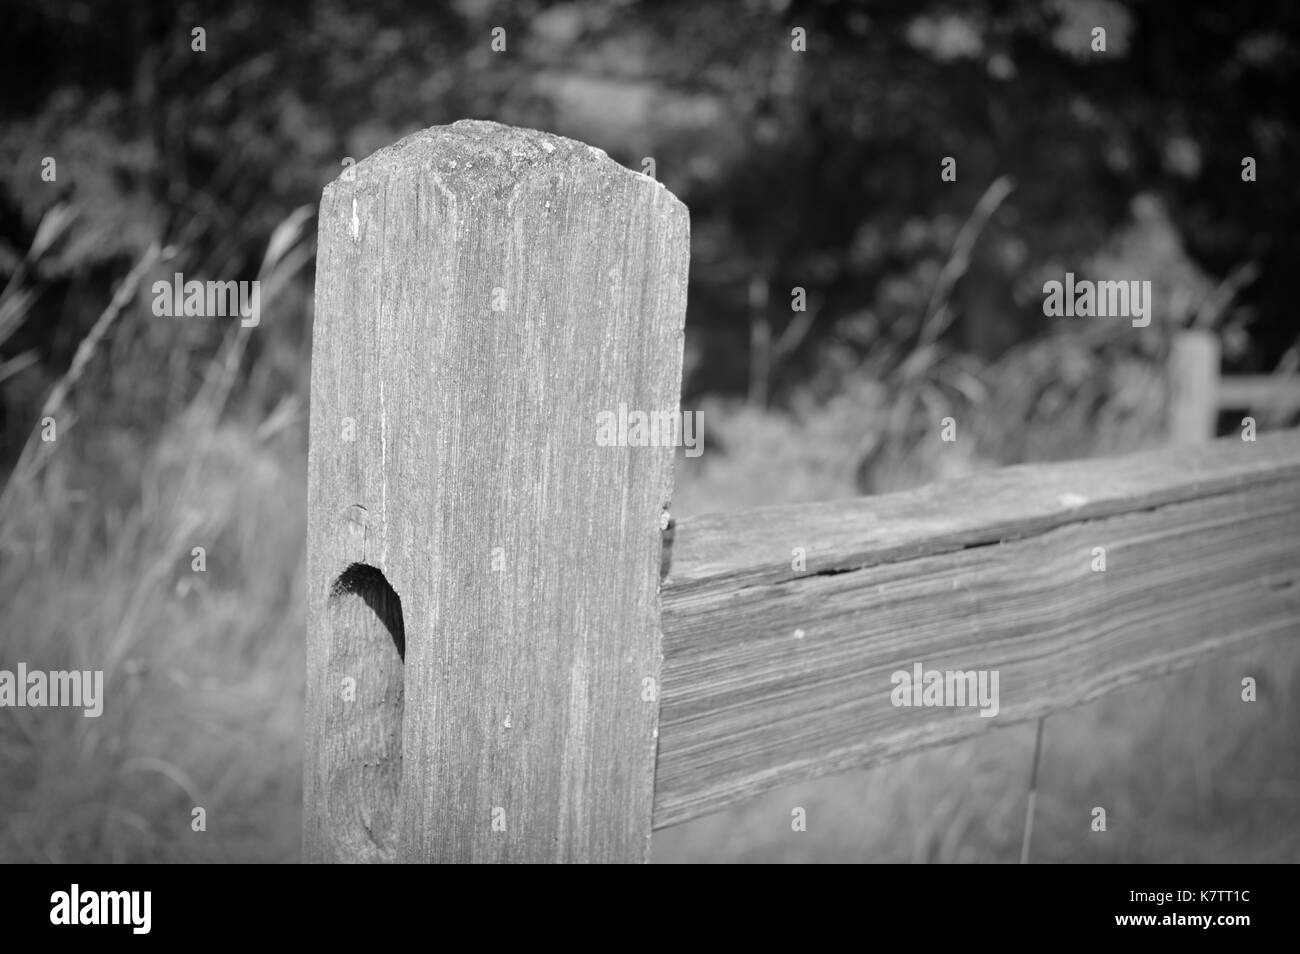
[(673, 431)]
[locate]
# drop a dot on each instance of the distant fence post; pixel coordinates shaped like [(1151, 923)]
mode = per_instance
[(1194, 386), (483, 293)]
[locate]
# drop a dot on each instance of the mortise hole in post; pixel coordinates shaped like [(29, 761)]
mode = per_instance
[(367, 582), (363, 692)]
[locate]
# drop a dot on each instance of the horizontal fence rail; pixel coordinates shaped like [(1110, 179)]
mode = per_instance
[(778, 669)]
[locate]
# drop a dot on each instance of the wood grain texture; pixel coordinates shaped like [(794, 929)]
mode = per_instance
[(363, 719), (483, 293), (994, 573)]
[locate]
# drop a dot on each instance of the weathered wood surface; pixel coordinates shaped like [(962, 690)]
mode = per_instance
[(363, 720), (992, 572), (482, 294)]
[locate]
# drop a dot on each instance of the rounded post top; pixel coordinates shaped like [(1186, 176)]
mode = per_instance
[(475, 156)]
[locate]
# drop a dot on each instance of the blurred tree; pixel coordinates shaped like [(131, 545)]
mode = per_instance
[(818, 168)]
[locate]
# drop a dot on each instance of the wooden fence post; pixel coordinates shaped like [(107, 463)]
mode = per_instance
[(1194, 386), (483, 295)]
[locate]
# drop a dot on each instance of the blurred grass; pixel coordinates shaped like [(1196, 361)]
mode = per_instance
[(204, 671)]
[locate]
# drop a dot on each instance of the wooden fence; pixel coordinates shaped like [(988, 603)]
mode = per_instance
[(1199, 392), (512, 655)]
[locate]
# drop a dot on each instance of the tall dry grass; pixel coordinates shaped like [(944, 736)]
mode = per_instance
[(203, 670)]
